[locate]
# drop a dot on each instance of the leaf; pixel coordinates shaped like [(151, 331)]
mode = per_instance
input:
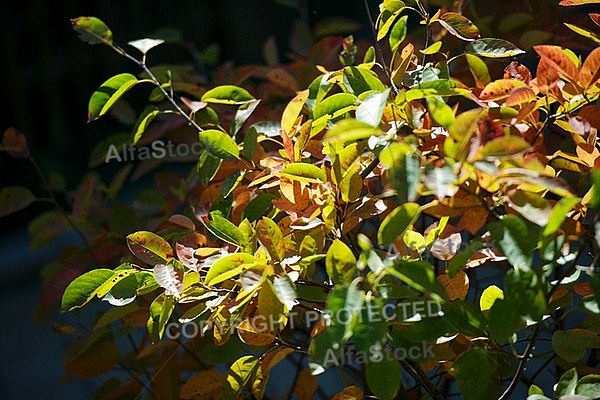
[(359, 80), (559, 61), (14, 198), (404, 163), (219, 144), (160, 311), (144, 121), (456, 286), (14, 143), (566, 384), (207, 384), (95, 283), (478, 69), (398, 33), (396, 222), (513, 237), (284, 289), (225, 230), (384, 378), (255, 333), (270, 236), (149, 247), (572, 344), (293, 110), (340, 263), (333, 103), (473, 373), (432, 48), (520, 95), (589, 386), (577, 2), (489, 297), (144, 45), (303, 172), (459, 26), (500, 88), (92, 354), (105, 97), (419, 275), (371, 108), (558, 215), (227, 267), (240, 374), (92, 30), (590, 70), (227, 94), (306, 385), (349, 393), (441, 112), (242, 114), (440, 180), (350, 130), (169, 278), (493, 48), (504, 146)]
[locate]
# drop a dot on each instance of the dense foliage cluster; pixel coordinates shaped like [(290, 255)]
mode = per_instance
[(338, 212)]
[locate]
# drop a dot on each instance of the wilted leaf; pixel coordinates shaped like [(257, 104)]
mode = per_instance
[(149, 247), (559, 61), (92, 30), (577, 2), (349, 393), (306, 385)]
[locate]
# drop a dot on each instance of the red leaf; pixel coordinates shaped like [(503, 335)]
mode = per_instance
[(590, 70), (559, 61)]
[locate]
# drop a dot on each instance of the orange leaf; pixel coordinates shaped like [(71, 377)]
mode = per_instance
[(306, 385), (207, 384), (519, 96), (473, 220), (457, 286), (588, 153), (577, 2), (595, 17), (500, 88), (349, 393), (590, 70), (272, 358), (591, 113), (558, 61), (517, 71)]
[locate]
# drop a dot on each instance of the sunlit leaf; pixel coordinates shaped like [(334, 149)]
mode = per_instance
[(293, 109), (144, 45), (459, 26), (242, 114), (584, 32), (340, 263), (505, 146), (225, 230), (489, 297), (144, 121), (169, 278), (513, 237), (404, 166), (432, 49), (227, 94), (590, 70), (160, 311), (105, 97), (333, 103), (398, 33), (149, 247), (349, 393), (441, 112), (500, 88), (92, 30), (493, 48), (358, 80), (351, 130), (219, 144), (559, 61), (303, 172), (396, 222), (578, 2), (371, 108)]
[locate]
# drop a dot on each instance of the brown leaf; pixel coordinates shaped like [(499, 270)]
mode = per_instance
[(272, 358), (558, 60), (15, 143), (473, 220), (306, 385), (349, 393), (206, 385), (518, 71), (595, 17), (255, 332), (591, 113), (590, 70), (457, 286)]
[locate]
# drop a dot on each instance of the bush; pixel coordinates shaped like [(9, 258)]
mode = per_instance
[(343, 218)]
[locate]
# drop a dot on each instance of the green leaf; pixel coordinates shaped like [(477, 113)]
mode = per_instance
[(404, 163), (144, 121), (340, 263), (227, 267), (225, 230), (473, 373), (558, 215), (242, 114), (219, 144), (478, 69), (160, 311), (459, 26), (14, 198), (504, 146), (333, 103), (589, 386), (144, 45), (358, 80), (432, 48), (371, 108), (384, 377), (567, 382), (396, 222), (227, 94), (207, 167), (258, 206), (493, 48), (459, 261), (109, 93), (420, 276), (441, 112), (240, 374), (95, 283), (350, 130), (149, 247), (92, 30), (303, 172), (572, 344), (489, 297), (371, 327), (270, 236), (398, 33), (344, 305), (513, 236)]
